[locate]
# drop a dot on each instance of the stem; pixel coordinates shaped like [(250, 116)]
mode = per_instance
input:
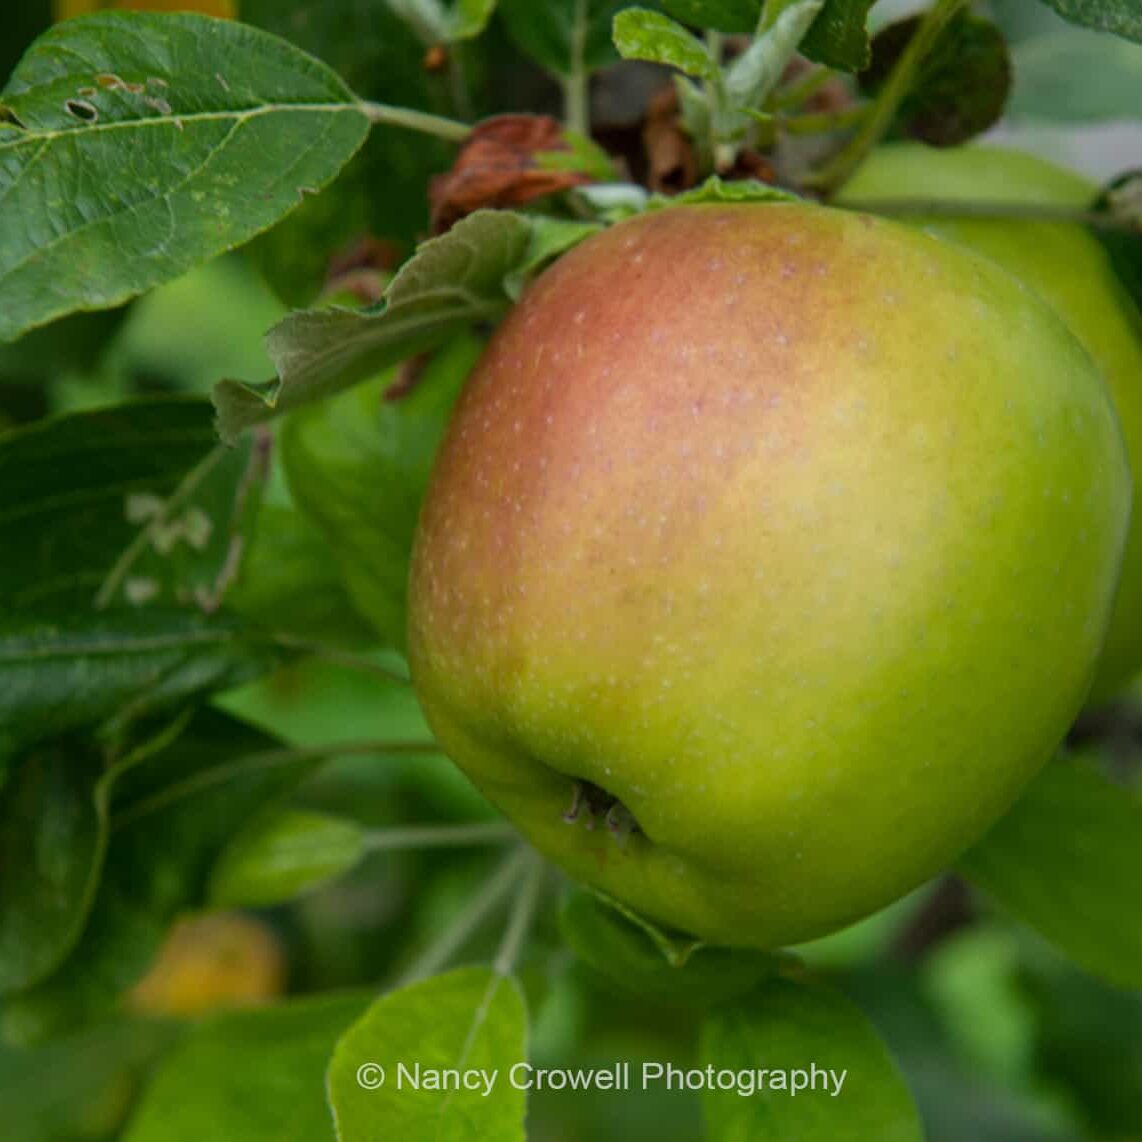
[(1019, 211), (494, 890), (439, 836), (256, 763), (458, 82), (337, 657), (821, 123), (522, 915), (801, 89), (421, 121), (576, 94), (884, 108)]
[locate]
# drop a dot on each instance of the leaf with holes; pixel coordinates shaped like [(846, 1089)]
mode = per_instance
[(135, 145)]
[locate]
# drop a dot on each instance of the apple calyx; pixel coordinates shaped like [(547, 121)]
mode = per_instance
[(591, 801)]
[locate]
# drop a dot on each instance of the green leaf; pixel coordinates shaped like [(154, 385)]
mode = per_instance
[(112, 669), (358, 466), (553, 31), (960, 88), (179, 137), (1063, 860), (282, 855), (381, 59), (838, 37), (79, 1086), (472, 1019), (1123, 17), (249, 1076), (642, 34), (131, 454), (758, 70), (626, 955), (52, 832), (451, 283), (1122, 200), (811, 1042), (288, 584), (438, 22), (171, 814), (714, 190), (1045, 68)]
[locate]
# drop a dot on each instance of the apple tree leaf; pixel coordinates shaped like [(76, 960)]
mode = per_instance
[(463, 278), (134, 458), (642, 34), (108, 670), (135, 145), (838, 37), (1122, 201), (342, 454), (472, 1018), (171, 814), (625, 954), (51, 836), (1045, 67), (444, 21), (715, 190), (248, 1076), (1063, 860), (848, 1084), (961, 87), (1122, 17), (282, 854)]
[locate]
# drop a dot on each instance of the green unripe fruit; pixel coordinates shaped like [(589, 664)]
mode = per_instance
[(776, 543), (1068, 267)]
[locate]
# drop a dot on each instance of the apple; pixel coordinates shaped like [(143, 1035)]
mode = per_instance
[(1067, 266), (766, 557)]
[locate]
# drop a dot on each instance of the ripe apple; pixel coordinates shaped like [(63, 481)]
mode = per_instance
[(1067, 266), (766, 557)]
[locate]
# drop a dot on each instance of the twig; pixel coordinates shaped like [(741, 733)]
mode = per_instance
[(422, 121)]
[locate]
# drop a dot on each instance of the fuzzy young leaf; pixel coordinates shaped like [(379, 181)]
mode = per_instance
[(453, 282), (207, 1087), (837, 38), (1122, 17), (758, 70), (715, 190), (282, 855), (642, 34), (1063, 860), (181, 136), (960, 88), (782, 1026), (563, 34), (472, 1018)]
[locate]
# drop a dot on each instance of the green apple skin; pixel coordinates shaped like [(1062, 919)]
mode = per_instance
[(794, 530), (1069, 268)]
